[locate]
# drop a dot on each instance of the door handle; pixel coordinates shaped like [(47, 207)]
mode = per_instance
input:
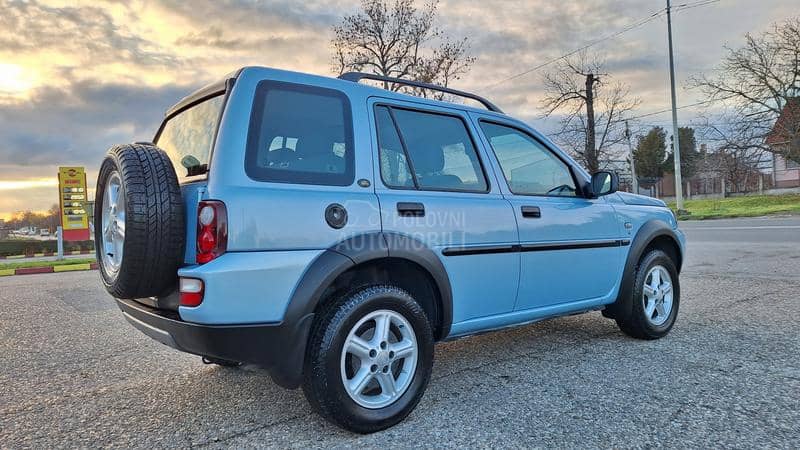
[(531, 211), (411, 209)]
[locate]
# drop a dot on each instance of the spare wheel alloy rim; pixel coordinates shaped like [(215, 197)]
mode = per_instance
[(113, 232)]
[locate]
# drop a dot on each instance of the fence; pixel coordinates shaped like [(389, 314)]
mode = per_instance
[(715, 185)]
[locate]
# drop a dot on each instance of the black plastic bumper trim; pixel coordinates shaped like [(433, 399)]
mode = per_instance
[(269, 345)]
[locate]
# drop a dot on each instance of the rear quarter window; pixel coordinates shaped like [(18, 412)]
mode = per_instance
[(188, 138), (300, 134)]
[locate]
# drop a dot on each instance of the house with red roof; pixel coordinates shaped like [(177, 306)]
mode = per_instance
[(784, 139)]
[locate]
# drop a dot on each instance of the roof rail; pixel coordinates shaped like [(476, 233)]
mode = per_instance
[(355, 77)]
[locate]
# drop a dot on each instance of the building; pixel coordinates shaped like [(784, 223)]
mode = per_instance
[(785, 136)]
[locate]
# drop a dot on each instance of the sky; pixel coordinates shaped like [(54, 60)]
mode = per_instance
[(79, 77)]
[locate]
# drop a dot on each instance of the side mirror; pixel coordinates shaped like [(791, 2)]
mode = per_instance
[(604, 183)]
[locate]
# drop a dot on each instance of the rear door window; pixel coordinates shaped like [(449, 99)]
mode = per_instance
[(188, 137), (441, 152), (300, 134)]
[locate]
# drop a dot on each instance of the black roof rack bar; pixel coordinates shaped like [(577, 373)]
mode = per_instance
[(355, 77)]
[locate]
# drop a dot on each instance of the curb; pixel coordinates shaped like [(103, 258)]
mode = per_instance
[(38, 255), (48, 269)]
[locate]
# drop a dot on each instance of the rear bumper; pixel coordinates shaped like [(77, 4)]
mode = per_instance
[(278, 347)]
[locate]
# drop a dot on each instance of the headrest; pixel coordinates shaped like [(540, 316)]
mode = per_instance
[(428, 161)]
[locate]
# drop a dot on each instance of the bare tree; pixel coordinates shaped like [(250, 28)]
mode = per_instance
[(592, 109), (751, 87), (399, 40)]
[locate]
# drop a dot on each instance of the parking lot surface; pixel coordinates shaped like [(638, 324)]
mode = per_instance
[(74, 373)]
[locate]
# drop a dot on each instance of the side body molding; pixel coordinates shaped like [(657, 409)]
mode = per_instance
[(335, 261), (648, 232)]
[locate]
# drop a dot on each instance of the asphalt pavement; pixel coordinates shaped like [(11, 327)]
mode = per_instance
[(75, 374)]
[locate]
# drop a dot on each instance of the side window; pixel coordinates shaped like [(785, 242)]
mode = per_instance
[(300, 134), (442, 155), (394, 167), (527, 165), (188, 137)]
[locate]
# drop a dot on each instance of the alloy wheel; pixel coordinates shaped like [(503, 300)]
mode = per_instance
[(113, 232), (657, 295), (379, 359)]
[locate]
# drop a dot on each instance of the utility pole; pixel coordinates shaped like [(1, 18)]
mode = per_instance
[(634, 179), (592, 158), (676, 148)]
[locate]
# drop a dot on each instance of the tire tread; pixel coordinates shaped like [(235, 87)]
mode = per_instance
[(154, 223), (316, 384)]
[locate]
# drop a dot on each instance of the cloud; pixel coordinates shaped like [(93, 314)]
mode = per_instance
[(211, 37), (276, 16), (86, 33), (76, 124)]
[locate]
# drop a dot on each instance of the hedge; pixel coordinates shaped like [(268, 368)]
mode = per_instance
[(13, 247)]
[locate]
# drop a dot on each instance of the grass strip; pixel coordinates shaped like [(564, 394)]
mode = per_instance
[(747, 206), (63, 262)]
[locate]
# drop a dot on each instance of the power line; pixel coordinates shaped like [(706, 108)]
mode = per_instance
[(686, 6), (624, 30), (681, 107), (630, 27)]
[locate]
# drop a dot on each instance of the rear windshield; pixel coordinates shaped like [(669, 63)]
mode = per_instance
[(300, 134), (188, 138)]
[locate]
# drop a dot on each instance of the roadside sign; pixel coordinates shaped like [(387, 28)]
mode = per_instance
[(72, 199)]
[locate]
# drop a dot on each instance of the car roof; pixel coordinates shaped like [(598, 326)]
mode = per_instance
[(219, 86)]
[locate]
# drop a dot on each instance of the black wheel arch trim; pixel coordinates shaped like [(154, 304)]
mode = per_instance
[(336, 260), (646, 234)]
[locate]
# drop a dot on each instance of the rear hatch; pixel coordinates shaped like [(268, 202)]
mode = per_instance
[(187, 135)]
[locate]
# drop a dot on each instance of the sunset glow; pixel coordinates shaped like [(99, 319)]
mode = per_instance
[(14, 185), (14, 79)]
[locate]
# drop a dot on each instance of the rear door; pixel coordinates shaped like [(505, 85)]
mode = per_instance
[(305, 151), (434, 185), (571, 248)]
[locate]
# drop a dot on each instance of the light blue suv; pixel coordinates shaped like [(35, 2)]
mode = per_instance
[(332, 232)]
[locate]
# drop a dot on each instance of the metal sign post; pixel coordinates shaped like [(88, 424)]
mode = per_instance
[(60, 238)]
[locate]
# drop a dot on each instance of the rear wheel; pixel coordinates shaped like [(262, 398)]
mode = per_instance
[(655, 299), (369, 359)]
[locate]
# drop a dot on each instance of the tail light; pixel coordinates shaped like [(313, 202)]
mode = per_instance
[(212, 230), (191, 290)]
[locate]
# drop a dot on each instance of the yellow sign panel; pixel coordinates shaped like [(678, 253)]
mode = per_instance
[(72, 198)]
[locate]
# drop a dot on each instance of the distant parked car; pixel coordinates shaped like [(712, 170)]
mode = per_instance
[(332, 232), (44, 232)]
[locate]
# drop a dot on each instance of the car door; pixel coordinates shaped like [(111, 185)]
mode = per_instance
[(433, 185), (571, 246)]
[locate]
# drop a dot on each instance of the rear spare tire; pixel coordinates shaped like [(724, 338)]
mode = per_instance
[(139, 221)]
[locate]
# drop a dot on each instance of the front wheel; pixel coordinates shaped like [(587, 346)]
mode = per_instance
[(655, 299), (369, 359)]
